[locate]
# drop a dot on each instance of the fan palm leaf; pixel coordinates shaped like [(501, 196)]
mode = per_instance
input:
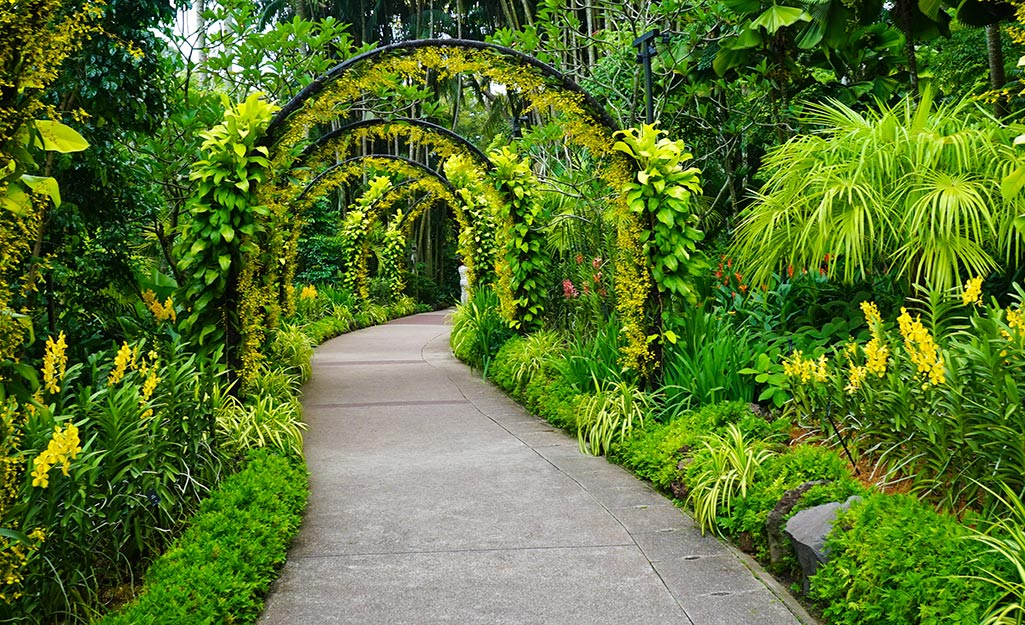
[(911, 188)]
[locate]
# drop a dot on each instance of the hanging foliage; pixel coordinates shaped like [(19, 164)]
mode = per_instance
[(522, 217), (657, 242), (477, 237), (390, 259), (223, 233)]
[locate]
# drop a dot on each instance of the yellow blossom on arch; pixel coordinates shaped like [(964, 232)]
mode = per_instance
[(972, 292)]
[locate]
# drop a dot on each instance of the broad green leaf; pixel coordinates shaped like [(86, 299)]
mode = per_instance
[(776, 17), (60, 138), (44, 184), (224, 260), (743, 7), (17, 201), (1013, 182)]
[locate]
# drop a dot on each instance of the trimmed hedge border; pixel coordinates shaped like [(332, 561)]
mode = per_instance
[(221, 567)]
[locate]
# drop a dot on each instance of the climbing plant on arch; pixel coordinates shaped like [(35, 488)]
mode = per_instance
[(303, 164)]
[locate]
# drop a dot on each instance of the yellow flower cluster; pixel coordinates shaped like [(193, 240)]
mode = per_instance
[(972, 292), (806, 369), (855, 378), (55, 363), (124, 362), (149, 369), (871, 312), (162, 312), (63, 448), (309, 292), (877, 354), (1014, 319), (922, 349)]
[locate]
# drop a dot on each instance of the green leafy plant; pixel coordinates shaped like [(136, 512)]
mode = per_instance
[(522, 215), (726, 470), (912, 188), (663, 192), (266, 420), (706, 364), (893, 560), (292, 348), (219, 570), (1005, 539), (608, 416), (224, 219), (478, 329)]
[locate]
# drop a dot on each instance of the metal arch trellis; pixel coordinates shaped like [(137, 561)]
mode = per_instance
[(442, 133), (376, 157), (338, 71)]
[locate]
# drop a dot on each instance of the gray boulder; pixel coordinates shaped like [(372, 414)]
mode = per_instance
[(807, 531)]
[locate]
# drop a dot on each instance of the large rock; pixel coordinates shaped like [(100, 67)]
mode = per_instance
[(778, 544), (808, 530)]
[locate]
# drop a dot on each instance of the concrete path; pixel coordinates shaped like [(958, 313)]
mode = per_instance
[(436, 499)]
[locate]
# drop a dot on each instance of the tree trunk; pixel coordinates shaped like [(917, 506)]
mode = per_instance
[(997, 78), (589, 20)]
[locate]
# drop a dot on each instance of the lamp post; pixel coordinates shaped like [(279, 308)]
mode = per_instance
[(645, 45)]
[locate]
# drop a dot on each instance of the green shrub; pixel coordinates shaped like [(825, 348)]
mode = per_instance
[(292, 348), (655, 451), (478, 330), (783, 472), (221, 567), (895, 561), (548, 395)]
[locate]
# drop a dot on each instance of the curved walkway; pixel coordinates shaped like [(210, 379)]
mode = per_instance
[(436, 499)]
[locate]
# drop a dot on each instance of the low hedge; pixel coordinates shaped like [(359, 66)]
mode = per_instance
[(221, 567), (894, 560)]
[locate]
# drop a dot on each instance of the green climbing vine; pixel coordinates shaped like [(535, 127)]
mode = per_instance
[(523, 240), (477, 237), (354, 240), (660, 234), (223, 229), (390, 258)]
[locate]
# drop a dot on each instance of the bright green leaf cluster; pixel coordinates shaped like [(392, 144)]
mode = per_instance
[(662, 190), (223, 220), (523, 216)]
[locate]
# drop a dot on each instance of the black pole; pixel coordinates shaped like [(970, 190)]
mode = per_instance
[(645, 45)]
